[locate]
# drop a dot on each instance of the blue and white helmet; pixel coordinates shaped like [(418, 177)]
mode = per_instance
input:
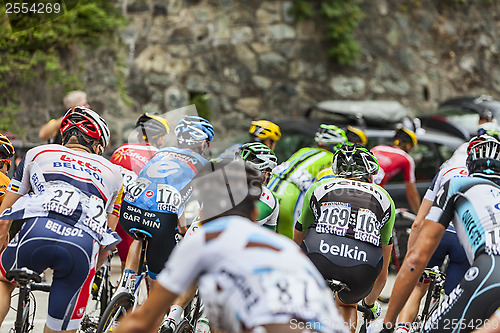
[(193, 131)]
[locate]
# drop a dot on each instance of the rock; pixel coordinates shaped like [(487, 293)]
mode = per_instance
[(261, 82), (241, 35), (247, 57), (268, 13), (273, 64), (153, 58), (197, 83), (249, 106), (348, 87)]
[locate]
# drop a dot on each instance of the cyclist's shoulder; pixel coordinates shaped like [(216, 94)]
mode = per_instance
[(267, 197)]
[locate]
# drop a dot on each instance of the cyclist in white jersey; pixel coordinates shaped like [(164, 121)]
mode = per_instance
[(472, 202), (250, 279), (62, 193)]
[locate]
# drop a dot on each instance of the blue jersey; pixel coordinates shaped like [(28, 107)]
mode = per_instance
[(163, 185), (475, 204)]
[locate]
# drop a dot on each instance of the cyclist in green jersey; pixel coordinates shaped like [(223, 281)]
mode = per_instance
[(345, 229), (263, 159), (295, 176)]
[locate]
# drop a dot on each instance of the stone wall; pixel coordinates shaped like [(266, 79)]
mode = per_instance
[(255, 61)]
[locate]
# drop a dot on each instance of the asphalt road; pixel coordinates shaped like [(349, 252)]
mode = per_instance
[(42, 300)]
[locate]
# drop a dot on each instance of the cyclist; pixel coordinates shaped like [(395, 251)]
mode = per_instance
[(132, 157), (63, 193), (6, 152), (264, 160), (155, 201), (291, 179), (395, 159), (345, 229), (250, 279), (473, 202), (263, 131)]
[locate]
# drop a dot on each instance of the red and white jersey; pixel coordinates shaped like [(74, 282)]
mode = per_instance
[(133, 156), (392, 161), (77, 185)]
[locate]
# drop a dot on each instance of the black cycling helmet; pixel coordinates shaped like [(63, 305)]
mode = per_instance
[(152, 126), (352, 160), (405, 135), (356, 135), (483, 157)]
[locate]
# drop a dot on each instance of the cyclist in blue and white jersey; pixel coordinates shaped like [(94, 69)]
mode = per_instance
[(155, 201), (250, 278), (474, 202), (65, 195)]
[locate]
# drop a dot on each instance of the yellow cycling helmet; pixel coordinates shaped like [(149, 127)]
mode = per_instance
[(405, 135), (152, 126), (264, 129), (356, 135)]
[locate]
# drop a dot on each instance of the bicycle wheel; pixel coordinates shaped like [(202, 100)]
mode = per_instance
[(119, 305)]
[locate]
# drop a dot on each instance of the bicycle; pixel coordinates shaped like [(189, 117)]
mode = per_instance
[(28, 281), (102, 292), (338, 286), (434, 296), (125, 301)]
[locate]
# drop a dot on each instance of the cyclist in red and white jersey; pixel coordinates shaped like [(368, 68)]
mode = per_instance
[(396, 159), (132, 157), (62, 193)]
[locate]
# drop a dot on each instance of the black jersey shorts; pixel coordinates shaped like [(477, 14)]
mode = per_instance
[(351, 261)]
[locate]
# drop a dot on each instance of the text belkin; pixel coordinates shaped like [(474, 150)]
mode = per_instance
[(343, 251)]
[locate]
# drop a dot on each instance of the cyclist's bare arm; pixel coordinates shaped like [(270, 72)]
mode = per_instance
[(49, 129), (382, 277), (412, 196), (414, 264), (419, 220), (147, 317)]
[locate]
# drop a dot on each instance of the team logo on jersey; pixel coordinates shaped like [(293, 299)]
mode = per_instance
[(81, 163), (149, 193), (471, 274), (497, 206)]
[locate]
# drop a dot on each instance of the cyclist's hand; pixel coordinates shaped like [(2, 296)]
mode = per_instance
[(377, 326)]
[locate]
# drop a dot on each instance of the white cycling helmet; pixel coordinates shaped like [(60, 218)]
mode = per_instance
[(87, 122), (260, 156)]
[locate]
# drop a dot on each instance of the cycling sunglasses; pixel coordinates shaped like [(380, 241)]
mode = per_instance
[(4, 161)]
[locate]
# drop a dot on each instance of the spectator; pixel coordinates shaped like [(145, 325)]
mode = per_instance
[(50, 131)]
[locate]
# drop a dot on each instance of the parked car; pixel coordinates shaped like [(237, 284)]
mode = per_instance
[(459, 116)]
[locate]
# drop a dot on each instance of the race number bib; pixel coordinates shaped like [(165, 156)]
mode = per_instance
[(135, 189), (366, 227), (62, 199), (168, 198), (288, 293), (334, 218), (96, 219)]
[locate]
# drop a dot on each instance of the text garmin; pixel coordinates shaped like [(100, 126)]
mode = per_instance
[(142, 220), (343, 251)]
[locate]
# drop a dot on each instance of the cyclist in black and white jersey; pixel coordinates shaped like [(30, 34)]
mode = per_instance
[(345, 228), (474, 202)]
